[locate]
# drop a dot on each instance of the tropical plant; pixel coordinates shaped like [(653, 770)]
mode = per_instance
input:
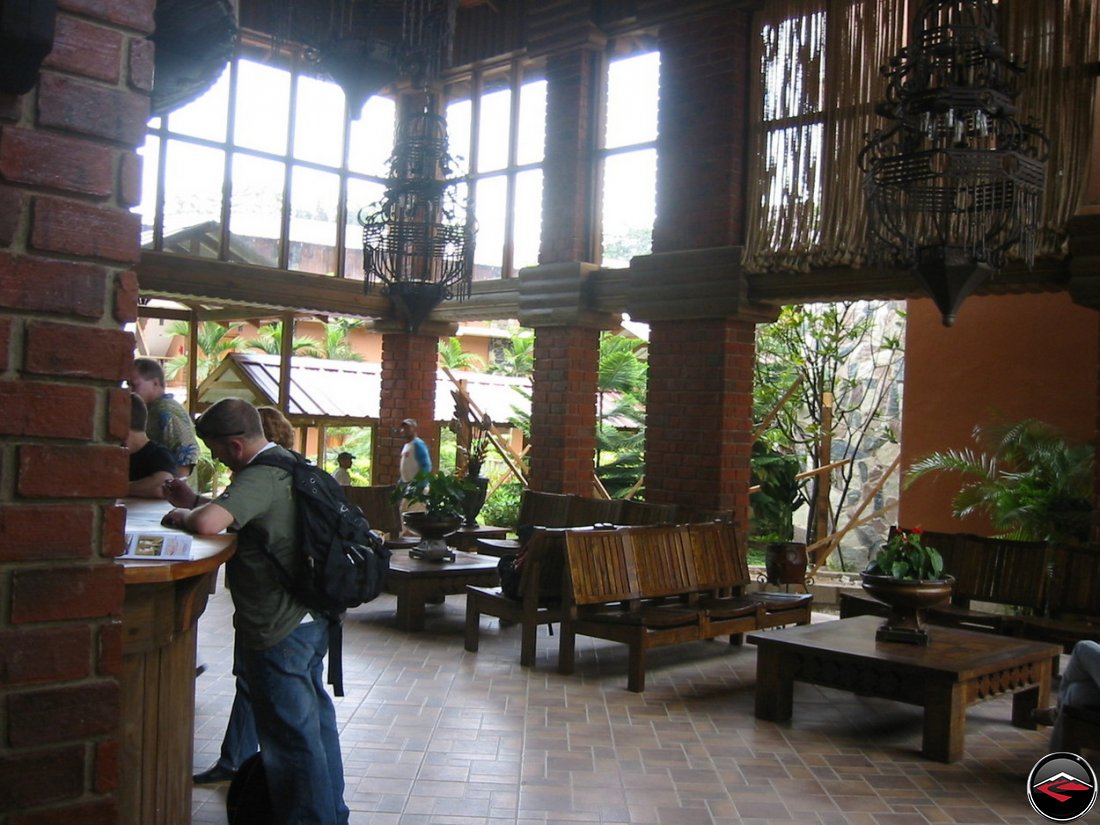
[(452, 356), (501, 508), (846, 356), (269, 339), (906, 556), (214, 342), (442, 494), (620, 425), (780, 493), (1032, 483), (337, 343), (516, 357)]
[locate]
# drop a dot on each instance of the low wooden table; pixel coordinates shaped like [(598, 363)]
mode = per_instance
[(414, 582), (956, 669), (465, 538)]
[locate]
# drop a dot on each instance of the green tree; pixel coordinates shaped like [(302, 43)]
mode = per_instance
[(453, 357), (269, 339), (1028, 478), (516, 357), (337, 343), (850, 352), (620, 425), (214, 342)]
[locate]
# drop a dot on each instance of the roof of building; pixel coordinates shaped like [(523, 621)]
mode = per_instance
[(349, 392)]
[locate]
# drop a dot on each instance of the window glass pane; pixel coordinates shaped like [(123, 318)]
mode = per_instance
[(531, 145), (632, 100), (525, 251), (629, 195), (313, 199), (372, 137), (206, 116), (489, 246), (193, 198), (362, 195), (262, 107), (319, 122), (256, 210), (492, 149), (458, 132), (150, 156)]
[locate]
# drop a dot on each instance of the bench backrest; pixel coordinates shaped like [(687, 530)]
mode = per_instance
[(601, 567), (378, 505), (665, 559), (720, 561), (1075, 584), (644, 512), (1002, 571), (587, 510), (544, 509), (543, 569)]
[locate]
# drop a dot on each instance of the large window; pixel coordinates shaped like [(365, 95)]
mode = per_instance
[(628, 159), (266, 168), (496, 122)]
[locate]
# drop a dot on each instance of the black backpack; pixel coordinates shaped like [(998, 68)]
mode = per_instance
[(346, 564)]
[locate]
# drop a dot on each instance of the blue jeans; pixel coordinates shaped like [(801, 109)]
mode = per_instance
[(296, 724), (240, 740), (1080, 685)]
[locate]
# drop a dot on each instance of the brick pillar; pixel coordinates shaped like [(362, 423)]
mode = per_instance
[(699, 414), (563, 409), (409, 364), (68, 174), (703, 131)]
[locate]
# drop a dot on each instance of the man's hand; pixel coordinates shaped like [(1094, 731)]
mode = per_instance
[(179, 494), (174, 517)]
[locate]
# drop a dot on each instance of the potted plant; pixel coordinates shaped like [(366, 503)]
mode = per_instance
[(444, 498), (908, 576)]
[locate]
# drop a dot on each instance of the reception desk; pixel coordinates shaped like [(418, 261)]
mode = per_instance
[(163, 602)]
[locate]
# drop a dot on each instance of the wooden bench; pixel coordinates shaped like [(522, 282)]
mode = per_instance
[(1073, 606), (1012, 574), (649, 587), (540, 586)]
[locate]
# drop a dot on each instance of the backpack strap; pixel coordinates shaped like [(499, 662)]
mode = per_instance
[(335, 623)]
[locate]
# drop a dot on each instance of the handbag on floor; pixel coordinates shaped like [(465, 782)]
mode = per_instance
[(247, 802)]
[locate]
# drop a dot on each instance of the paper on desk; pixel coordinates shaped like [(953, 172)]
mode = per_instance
[(158, 545)]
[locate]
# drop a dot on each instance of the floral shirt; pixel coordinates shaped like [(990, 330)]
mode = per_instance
[(170, 424)]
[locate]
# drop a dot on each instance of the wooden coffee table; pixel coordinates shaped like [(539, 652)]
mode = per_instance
[(956, 669), (414, 582)]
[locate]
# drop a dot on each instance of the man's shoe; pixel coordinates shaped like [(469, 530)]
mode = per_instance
[(214, 775), (1044, 716)]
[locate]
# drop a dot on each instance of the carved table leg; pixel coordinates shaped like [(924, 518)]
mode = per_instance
[(944, 720), (774, 690)]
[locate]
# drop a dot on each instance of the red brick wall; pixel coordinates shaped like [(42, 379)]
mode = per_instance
[(699, 413), (703, 132), (565, 196), (409, 365), (563, 409), (68, 175)]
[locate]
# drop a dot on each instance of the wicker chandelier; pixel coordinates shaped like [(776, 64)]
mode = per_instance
[(418, 240), (954, 181)]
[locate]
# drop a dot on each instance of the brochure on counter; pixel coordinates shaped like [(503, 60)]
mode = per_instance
[(170, 545)]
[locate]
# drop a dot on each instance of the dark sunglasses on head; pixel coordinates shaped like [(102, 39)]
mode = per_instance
[(217, 436)]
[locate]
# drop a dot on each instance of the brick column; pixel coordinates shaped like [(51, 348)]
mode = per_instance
[(68, 175), (409, 364)]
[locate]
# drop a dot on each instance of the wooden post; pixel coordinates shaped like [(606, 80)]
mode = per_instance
[(825, 479)]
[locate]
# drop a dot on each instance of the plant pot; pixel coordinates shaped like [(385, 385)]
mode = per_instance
[(433, 532), (475, 499), (907, 600), (785, 562)]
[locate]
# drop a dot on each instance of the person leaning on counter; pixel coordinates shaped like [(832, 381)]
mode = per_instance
[(151, 465), (279, 644)]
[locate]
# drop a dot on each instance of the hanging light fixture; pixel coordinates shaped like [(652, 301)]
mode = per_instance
[(955, 180), (418, 240)]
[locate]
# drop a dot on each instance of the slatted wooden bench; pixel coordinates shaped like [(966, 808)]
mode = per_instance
[(649, 587), (1073, 611), (541, 578)]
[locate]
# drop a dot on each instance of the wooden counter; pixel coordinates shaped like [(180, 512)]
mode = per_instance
[(161, 607)]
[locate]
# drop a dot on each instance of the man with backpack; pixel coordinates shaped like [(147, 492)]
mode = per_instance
[(280, 643)]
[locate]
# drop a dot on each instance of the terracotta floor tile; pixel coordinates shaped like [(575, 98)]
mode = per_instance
[(432, 734)]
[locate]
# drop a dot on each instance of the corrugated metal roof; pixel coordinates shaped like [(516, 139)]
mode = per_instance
[(322, 388)]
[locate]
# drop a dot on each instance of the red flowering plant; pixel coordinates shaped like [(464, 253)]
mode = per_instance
[(906, 556)]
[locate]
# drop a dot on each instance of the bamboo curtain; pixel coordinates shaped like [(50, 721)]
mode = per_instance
[(818, 83)]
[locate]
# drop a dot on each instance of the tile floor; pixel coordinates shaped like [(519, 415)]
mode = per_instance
[(433, 734)]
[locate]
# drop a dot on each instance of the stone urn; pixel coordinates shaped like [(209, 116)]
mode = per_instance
[(907, 600), (433, 531)]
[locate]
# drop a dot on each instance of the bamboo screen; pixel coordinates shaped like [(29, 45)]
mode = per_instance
[(819, 81)]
